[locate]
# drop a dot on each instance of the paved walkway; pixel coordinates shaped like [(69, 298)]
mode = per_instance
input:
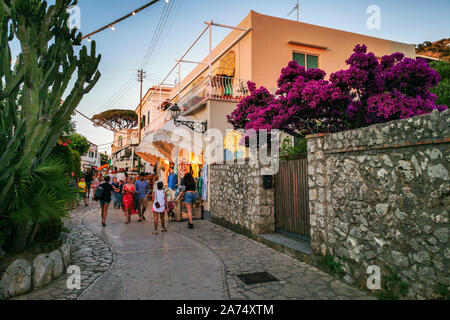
[(129, 262)]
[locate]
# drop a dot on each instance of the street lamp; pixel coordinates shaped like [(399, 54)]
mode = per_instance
[(196, 126), (175, 111)]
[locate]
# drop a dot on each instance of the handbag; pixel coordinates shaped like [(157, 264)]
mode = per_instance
[(157, 205)]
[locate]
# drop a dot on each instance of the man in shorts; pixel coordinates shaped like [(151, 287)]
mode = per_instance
[(143, 191)]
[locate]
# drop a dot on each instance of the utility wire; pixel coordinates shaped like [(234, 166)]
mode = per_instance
[(124, 89), (153, 37), (160, 27), (157, 34), (85, 116), (172, 19)]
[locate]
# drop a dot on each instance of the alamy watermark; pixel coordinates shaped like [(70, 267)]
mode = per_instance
[(374, 280), (74, 280), (374, 19), (260, 149)]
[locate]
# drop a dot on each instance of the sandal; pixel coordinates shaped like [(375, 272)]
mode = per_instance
[(155, 232), (164, 230)]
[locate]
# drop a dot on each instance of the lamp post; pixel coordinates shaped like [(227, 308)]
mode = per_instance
[(196, 126)]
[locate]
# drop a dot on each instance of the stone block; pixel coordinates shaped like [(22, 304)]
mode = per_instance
[(16, 279), (57, 263), (42, 271)]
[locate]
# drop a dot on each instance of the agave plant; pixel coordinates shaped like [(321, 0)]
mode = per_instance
[(33, 113)]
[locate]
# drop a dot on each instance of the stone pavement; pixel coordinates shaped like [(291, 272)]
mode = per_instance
[(88, 251), (129, 262)]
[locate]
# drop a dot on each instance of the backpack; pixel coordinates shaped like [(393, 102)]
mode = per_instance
[(98, 193)]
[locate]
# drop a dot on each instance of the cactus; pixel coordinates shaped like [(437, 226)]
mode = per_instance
[(33, 114)]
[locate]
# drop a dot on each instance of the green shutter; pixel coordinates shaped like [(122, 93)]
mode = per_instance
[(300, 58), (312, 62)]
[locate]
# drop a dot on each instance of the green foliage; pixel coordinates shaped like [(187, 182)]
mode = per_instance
[(116, 120), (79, 143), (442, 291), (393, 288), (334, 268), (443, 89), (34, 116), (39, 196), (103, 159), (70, 158), (69, 128), (293, 150), (76, 163)]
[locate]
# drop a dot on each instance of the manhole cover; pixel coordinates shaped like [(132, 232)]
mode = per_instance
[(257, 277)]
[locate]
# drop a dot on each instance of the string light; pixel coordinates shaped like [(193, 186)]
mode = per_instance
[(89, 39), (111, 25)]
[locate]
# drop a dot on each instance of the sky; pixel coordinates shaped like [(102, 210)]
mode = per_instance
[(123, 50)]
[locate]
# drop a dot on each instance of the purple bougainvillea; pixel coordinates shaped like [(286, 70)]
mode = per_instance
[(368, 92)]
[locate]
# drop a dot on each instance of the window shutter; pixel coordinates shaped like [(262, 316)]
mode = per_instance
[(312, 62), (300, 58)]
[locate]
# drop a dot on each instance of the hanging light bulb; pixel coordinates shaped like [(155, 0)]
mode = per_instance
[(133, 13), (167, 1), (89, 39), (112, 27)]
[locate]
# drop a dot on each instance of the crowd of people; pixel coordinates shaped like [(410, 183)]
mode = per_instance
[(132, 194)]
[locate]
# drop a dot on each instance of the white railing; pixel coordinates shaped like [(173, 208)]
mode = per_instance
[(222, 88)]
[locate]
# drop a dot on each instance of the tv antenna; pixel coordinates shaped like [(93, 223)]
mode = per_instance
[(297, 7)]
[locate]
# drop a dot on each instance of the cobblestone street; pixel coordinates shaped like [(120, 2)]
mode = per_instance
[(129, 262)]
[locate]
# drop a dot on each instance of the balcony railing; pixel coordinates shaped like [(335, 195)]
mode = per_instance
[(222, 88)]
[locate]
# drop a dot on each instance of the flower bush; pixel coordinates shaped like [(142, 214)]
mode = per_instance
[(369, 91)]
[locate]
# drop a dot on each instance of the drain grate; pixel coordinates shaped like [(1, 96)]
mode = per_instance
[(257, 277)]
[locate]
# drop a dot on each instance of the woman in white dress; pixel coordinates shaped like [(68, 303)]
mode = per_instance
[(159, 206)]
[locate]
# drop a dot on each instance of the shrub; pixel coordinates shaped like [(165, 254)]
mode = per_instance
[(368, 92)]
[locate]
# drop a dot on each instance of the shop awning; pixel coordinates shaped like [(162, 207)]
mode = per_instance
[(103, 167), (159, 122), (165, 142)]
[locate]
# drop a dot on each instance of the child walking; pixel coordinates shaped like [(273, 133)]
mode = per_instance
[(159, 206), (82, 191)]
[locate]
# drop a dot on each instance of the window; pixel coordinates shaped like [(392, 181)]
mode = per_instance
[(143, 122), (306, 60), (120, 141), (148, 117)]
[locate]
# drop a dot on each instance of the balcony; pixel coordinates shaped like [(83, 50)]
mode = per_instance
[(222, 88)]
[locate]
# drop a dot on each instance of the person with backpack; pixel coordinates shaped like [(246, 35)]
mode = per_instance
[(103, 195), (159, 206)]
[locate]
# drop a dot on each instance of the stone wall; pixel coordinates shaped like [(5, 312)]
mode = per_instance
[(22, 276), (380, 196), (238, 197)]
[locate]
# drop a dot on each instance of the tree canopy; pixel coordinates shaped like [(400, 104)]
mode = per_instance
[(116, 119), (79, 143)]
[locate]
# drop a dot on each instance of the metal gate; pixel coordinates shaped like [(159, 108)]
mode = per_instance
[(291, 199)]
